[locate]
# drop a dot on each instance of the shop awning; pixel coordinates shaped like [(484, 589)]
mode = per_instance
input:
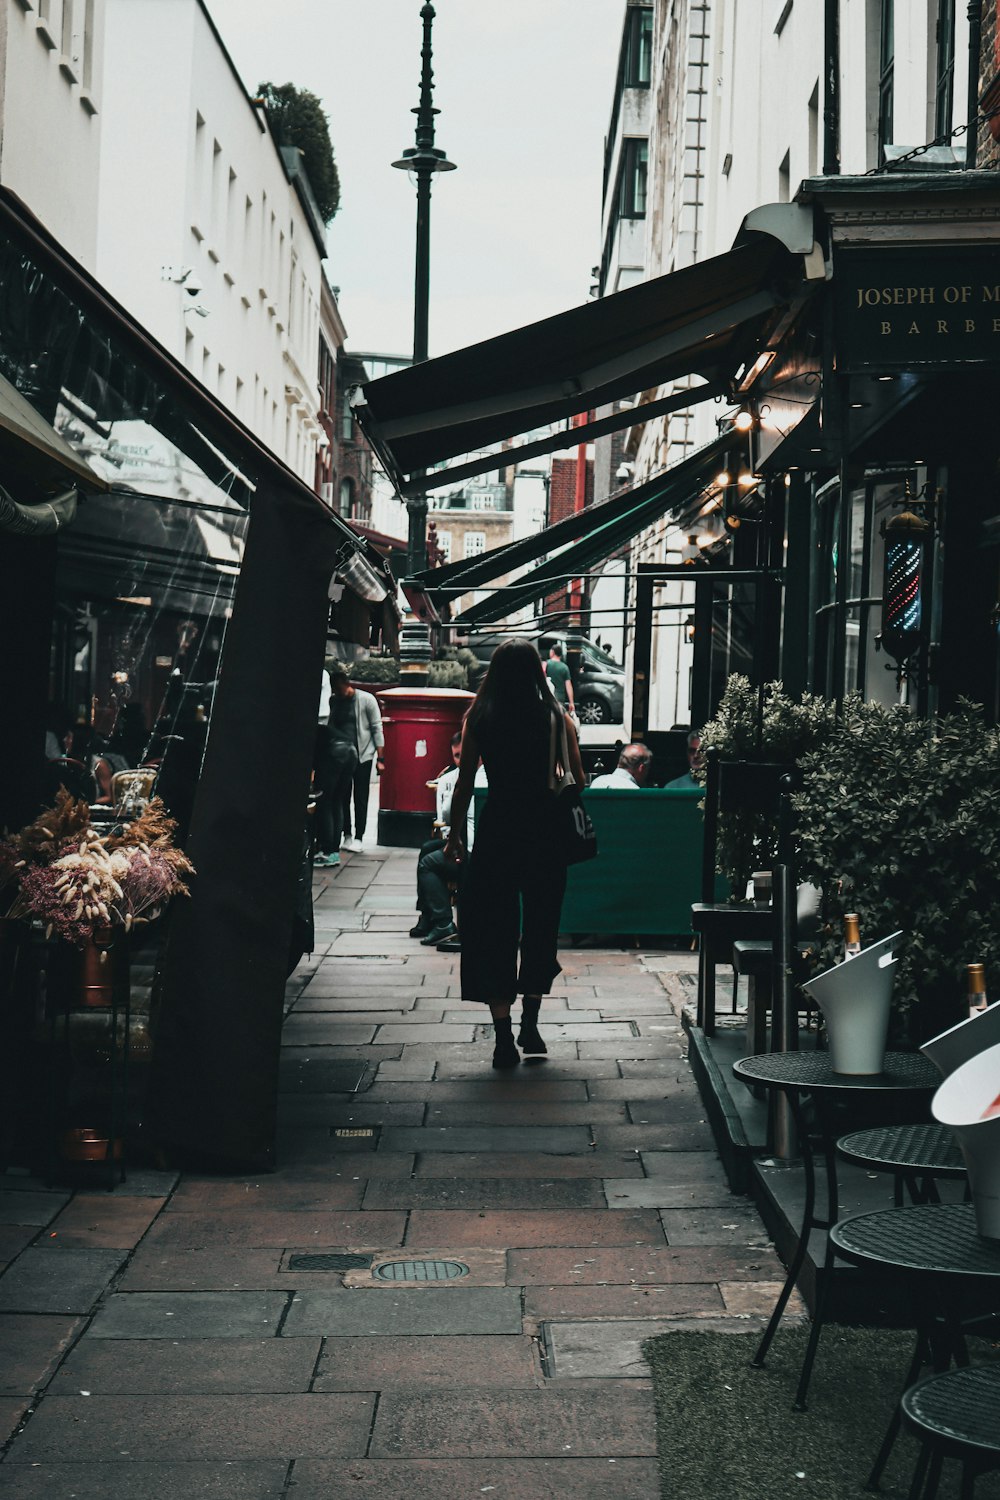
[(700, 321), (51, 453), (609, 527)]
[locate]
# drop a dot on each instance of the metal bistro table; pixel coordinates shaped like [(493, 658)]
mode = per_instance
[(938, 1246), (795, 1074)]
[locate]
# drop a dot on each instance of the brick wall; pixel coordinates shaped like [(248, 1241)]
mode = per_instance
[(988, 149), (562, 489)]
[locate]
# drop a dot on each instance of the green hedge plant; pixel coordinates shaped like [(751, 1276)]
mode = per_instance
[(779, 731), (898, 819), (381, 670)]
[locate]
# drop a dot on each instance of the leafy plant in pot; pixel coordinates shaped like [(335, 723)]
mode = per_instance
[(763, 725), (899, 819)]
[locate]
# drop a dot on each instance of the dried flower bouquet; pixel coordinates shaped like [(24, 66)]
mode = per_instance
[(84, 885)]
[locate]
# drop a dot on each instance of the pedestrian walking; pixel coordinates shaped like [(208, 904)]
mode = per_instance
[(335, 762), (513, 891), (370, 745), (560, 681)]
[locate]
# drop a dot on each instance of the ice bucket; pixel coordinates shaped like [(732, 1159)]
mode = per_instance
[(963, 1103), (854, 997)]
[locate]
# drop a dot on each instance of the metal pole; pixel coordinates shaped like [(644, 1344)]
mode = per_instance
[(784, 1022), (422, 160), (972, 108)]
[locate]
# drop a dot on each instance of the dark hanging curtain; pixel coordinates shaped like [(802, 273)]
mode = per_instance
[(215, 1066)]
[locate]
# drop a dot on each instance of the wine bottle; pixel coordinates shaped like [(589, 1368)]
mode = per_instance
[(977, 989), (852, 935)]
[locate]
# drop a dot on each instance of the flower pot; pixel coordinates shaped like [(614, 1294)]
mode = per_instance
[(961, 1103), (855, 997), (100, 968), (960, 1043), (84, 1143)]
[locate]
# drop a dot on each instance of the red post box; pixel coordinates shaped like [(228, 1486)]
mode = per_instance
[(418, 724)]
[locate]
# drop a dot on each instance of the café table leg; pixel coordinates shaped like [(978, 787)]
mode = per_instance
[(823, 1289), (808, 1223)]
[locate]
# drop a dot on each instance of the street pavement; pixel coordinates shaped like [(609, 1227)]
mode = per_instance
[(239, 1337)]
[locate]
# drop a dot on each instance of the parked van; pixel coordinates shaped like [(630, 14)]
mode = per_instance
[(598, 680)]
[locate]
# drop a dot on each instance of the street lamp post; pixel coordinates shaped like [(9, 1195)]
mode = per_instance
[(421, 162)]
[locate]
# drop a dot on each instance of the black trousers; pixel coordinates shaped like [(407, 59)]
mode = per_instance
[(359, 787), (333, 772), (510, 907), (435, 877)]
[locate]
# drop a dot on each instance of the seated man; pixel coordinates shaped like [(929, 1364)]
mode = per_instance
[(632, 771), (695, 759), (435, 874)]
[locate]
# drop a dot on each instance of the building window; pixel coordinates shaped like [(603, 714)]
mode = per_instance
[(944, 89), (346, 418), (444, 543), (886, 69), (475, 543), (638, 47), (632, 179), (347, 498)]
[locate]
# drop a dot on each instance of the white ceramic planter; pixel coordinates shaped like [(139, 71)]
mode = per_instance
[(960, 1103), (854, 997), (959, 1043)]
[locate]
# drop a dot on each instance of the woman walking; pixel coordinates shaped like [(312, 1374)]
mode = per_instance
[(516, 877)]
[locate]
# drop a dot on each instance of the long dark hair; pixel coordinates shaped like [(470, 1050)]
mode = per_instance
[(514, 691)]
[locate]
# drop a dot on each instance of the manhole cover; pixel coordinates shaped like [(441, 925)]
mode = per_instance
[(421, 1270), (328, 1262)]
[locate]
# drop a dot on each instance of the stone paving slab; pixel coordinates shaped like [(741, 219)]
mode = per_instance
[(731, 1225), (580, 1303), (418, 1310), (145, 1481), (458, 1069), (693, 1136), (107, 1221), (523, 1087), (397, 1004), (352, 1109), (265, 1227), (319, 1030), (31, 1346), (480, 1193), (638, 1090), (460, 1479), (51, 1280), (345, 1012), (188, 1315), (278, 1192), (412, 1070), (662, 1192), (544, 1167), (28, 1207), (209, 1366), (116, 1429), (603, 1423), (14, 1238), (757, 1298), (554, 1138), (515, 1111), (453, 1363), (600, 1350), (507, 1229), (642, 1265)]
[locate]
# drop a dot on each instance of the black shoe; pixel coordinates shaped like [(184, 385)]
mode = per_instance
[(529, 1038), (505, 1054), (421, 930), (437, 935), (450, 945)]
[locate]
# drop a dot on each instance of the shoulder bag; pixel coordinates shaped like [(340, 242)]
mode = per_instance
[(575, 838)]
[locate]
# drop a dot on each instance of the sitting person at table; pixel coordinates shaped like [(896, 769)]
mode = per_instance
[(696, 760), (631, 773), (435, 874)]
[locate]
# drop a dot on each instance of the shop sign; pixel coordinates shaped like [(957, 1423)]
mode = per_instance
[(897, 309)]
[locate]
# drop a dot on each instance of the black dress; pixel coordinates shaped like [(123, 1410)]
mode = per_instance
[(513, 894)]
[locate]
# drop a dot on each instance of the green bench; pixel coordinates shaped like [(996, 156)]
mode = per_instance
[(648, 869)]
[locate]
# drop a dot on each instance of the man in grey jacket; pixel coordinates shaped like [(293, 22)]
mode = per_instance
[(369, 742)]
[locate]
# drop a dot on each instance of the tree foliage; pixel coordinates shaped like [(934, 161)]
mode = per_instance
[(297, 118)]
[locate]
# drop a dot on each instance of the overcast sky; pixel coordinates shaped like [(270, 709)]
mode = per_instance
[(524, 88)]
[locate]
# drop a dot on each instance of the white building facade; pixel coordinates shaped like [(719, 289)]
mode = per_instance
[(51, 122)]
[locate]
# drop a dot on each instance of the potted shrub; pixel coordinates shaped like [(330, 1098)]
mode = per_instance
[(899, 819), (377, 671), (772, 728)]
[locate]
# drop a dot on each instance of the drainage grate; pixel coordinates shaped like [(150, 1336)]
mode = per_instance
[(352, 1133), (421, 1270), (329, 1262)]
